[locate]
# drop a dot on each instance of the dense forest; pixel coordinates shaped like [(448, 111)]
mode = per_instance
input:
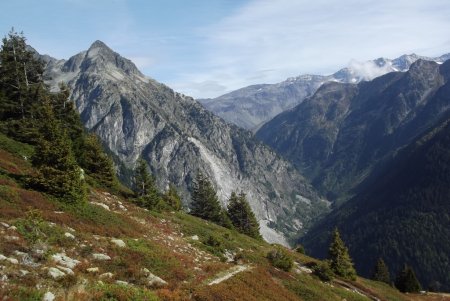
[(402, 214)]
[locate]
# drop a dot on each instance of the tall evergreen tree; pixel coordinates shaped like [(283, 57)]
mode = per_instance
[(96, 163), (340, 261), (67, 114), (242, 216), (406, 281), (145, 188), (381, 272), (58, 172), (20, 72), (205, 203)]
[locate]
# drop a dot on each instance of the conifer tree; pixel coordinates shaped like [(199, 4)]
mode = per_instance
[(20, 72), (145, 187), (340, 261), (205, 203), (67, 114), (97, 163), (58, 172), (381, 272), (172, 198), (406, 281), (242, 216)]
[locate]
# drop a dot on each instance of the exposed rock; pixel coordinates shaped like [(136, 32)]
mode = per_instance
[(194, 237), (152, 280), (65, 270), (49, 296), (119, 243), (107, 275), (104, 206), (65, 260), (12, 260), (99, 256), (12, 228), (120, 282), (4, 225), (69, 235), (24, 272), (93, 270), (56, 273)]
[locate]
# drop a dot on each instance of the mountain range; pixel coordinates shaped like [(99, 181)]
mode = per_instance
[(337, 137), (135, 116), (252, 106)]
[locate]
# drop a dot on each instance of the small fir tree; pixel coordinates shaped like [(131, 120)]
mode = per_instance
[(381, 272), (145, 188), (205, 203), (406, 281), (242, 216), (340, 261), (58, 172), (172, 198), (143, 181), (96, 162)]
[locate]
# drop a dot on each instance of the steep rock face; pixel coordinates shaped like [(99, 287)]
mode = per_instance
[(337, 136), (136, 116), (401, 214), (252, 106)]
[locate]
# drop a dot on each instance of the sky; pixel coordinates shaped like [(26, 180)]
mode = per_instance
[(206, 48)]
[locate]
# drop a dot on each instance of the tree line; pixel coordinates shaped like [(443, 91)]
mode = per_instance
[(204, 202), (339, 263), (66, 156)]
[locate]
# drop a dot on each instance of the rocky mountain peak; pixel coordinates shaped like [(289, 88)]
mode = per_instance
[(100, 57), (139, 117)]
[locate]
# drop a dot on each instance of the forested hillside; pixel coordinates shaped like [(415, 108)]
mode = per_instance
[(401, 214)]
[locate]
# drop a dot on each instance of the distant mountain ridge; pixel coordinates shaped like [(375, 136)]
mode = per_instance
[(250, 107), (137, 116), (338, 136)]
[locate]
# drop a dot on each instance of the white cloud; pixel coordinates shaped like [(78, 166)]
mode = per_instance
[(295, 37)]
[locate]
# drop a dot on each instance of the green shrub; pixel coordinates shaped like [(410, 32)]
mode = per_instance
[(279, 258), (300, 249), (8, 194), (323, 271)]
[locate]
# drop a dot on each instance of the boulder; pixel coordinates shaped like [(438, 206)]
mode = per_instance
[(56, 273), (99, 256), (93, 270), (69, 235), (48, 296), (65, 260), (118, 242)]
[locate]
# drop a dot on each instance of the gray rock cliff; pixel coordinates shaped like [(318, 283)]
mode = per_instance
[(137, 116)]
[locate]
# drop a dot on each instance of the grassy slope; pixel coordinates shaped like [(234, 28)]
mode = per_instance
[(164, 243)]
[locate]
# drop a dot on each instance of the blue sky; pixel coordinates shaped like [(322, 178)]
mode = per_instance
[(205, 48)]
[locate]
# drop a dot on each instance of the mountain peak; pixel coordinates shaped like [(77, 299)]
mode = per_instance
[(99, 44)]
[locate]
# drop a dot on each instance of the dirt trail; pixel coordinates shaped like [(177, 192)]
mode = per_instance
[(228, 274), (356, 289)]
